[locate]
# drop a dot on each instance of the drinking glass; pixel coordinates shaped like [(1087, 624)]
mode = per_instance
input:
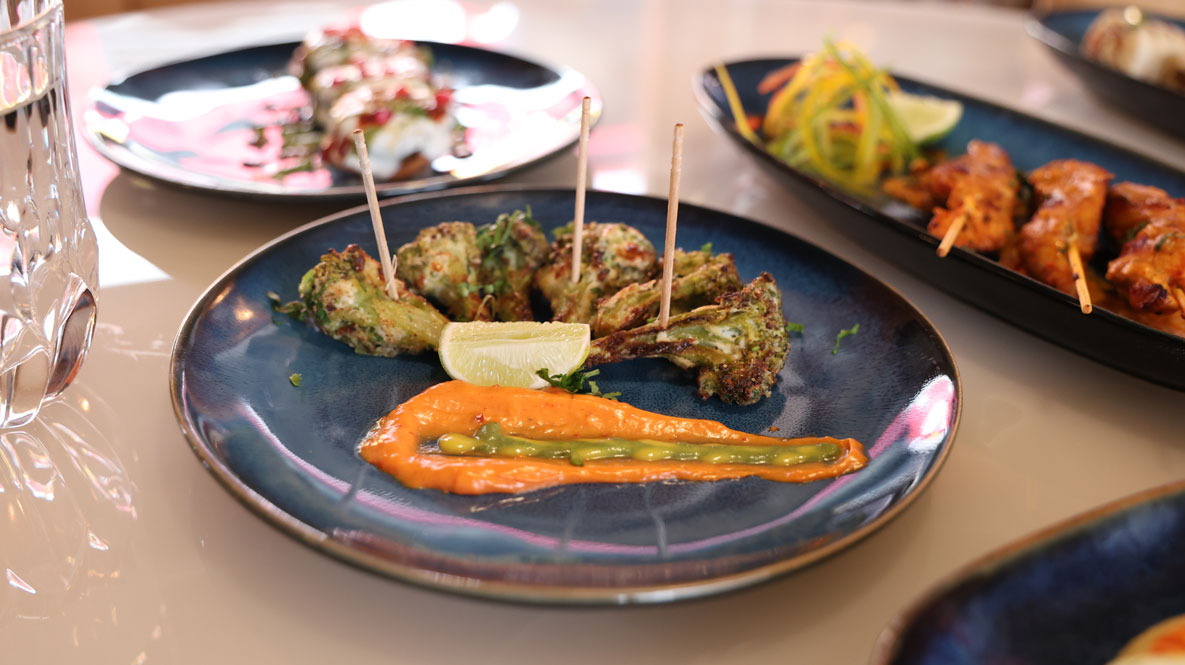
[(48, 255)]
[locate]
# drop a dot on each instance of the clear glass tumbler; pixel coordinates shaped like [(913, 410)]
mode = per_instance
[(48, 255)]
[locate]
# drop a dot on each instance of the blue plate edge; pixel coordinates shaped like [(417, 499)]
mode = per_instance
[(889, 642)]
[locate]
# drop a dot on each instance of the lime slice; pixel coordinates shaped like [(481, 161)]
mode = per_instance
[(511, 354), (926, 119)]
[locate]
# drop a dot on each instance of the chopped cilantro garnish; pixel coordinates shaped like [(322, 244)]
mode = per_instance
[(842, 334), (707, 247), (296, 309), (1165, 238), (574, 381), (1134, 231), (792, 328)]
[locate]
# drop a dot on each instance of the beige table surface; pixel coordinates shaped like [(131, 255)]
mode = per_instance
[(146, 559)]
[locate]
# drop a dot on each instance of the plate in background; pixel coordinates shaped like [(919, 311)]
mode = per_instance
[(1074, 593), (194, 123), (899, 232), (1062, 32), (290, 453)]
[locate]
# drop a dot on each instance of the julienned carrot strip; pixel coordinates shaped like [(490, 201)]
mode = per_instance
[(461, 408)]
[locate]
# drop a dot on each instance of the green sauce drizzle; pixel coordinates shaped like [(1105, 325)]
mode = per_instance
[(491, 441)]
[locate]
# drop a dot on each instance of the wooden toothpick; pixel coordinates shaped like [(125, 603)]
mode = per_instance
[(1079, 275), (581, 176), (668, 258), (952, 234), (956, 227), (376, 218)]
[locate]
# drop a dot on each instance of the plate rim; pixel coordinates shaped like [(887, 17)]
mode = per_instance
[(1037, 29), (889, 641), (525, 593), (191, 181), (720, 121)]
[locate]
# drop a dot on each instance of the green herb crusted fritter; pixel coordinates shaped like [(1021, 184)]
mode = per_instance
[(344, 297), (699, 278), (613, 256), (477, 274), (736, 346)]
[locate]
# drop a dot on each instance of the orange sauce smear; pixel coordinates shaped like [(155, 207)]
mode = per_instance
[(1170, 642), (456, 407)]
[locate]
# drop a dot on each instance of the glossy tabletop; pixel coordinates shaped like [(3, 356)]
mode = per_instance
[(133, 553)]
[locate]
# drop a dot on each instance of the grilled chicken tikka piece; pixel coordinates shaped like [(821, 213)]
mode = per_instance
[(1070, 197)]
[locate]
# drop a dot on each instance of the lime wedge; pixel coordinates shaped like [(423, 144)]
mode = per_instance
[(511, 354), (926, 119)]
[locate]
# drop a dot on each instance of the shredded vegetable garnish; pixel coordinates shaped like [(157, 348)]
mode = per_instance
[(734, 104), (833, 118)]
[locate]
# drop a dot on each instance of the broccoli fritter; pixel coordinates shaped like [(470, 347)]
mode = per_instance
[(512, 249), (477, 274), (736, 346), (441, 264), (613, 256), (699, 278), (344, 296)]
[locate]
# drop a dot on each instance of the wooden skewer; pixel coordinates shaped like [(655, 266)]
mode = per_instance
[(581, 176), (1079, 275), (376, 218), (668, 257), (956, 227), (952, 233)]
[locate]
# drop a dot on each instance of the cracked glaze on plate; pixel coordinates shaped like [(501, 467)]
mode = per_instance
[(193, 123), (289, 453)]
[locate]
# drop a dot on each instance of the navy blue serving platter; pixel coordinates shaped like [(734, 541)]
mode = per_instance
[(899, 232), (1063, 32), (1073, 594), (289, 452), (199, 123)]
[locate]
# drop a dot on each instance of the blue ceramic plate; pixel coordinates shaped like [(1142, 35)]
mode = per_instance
[(1073, 594), (196, 123), (899, 232), (289, 452), (1062, 32)]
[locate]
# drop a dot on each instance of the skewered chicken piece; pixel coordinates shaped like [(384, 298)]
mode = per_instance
[(1130, 206), (614, 256), (1150, 269), (345, 297), (981, 188), (477, 273), (699, 278), (736, 346), (1070, 196)]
